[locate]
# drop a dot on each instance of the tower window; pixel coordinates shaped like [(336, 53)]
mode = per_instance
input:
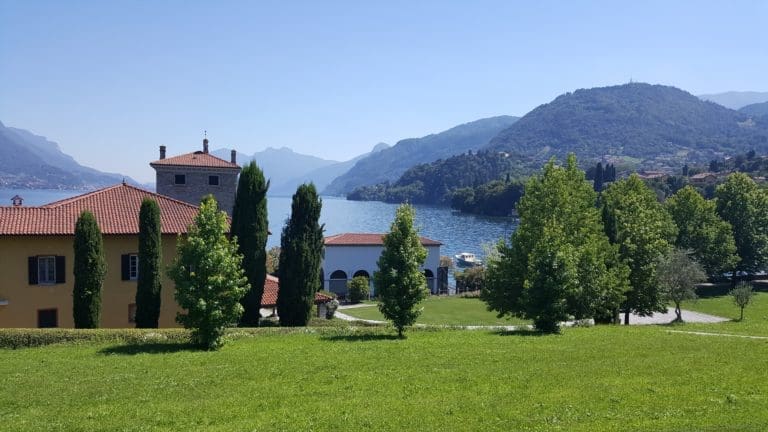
[(213, 180), (180, 179)]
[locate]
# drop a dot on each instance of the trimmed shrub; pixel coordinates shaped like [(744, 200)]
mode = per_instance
[(358, 289)]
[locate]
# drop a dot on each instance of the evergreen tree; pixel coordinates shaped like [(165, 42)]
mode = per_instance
[(89, 269), (559, 264), (301, 248), (702, 231), (251, 226), (741, 203), (644, 232), (400, 282), (209, 277), (148, 286), (598, 184)]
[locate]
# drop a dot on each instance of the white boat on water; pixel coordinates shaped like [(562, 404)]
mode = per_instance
[(467, 259)]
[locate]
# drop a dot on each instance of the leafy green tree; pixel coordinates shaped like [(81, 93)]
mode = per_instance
[(742, 296), (644, 232), (148, 286), (209, 277), (678, 275), (400, 282), (358, 289), (89, 269), (559, 226), (700, 229), (301, 248), (273, 260), (741, 203), (251, 227)]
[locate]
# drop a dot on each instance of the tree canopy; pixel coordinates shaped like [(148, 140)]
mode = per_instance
[(149, 285), (745, 207), (89, 268)]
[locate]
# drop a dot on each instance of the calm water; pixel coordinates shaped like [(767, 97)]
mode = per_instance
[(457, 232)]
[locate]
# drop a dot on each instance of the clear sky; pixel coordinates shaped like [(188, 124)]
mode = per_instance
[(110, 81)]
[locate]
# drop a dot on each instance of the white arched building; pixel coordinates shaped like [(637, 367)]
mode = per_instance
[(353, 254)]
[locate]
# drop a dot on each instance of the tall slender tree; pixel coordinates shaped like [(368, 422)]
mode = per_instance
[(89, 269), (301, 248), (599, 177), (251, 226), (644, 232), (149, 285), (400, 282)]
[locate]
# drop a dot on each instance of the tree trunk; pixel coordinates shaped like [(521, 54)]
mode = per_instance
[(733, 279), (400, 332), (626, 317), (678, 313), (741, 318)]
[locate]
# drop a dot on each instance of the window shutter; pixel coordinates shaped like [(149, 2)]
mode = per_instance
[(32, 270), (60, 272), (125, 267)]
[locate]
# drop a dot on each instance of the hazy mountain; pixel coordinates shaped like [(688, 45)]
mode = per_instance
[(649, 125), (736, 99), (32, 161), (391, 163), (757, 109), (287, 169)]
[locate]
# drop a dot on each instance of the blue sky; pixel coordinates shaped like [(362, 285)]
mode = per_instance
[(111, 81)]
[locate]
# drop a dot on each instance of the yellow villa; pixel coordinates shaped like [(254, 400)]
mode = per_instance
[(36, 257)]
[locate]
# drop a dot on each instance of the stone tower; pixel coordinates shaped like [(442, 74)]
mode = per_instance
[(190, 177)]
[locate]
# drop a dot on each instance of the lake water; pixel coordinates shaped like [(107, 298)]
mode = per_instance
[(457, 232)]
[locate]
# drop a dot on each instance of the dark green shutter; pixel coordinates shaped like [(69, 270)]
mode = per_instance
[(60, 272), (32, 267), (125, 267)]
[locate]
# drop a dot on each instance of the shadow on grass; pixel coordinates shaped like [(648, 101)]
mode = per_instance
[(522, 332), (149, 348), (360, 338)]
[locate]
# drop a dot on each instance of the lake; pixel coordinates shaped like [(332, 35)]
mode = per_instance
[(457, 232)]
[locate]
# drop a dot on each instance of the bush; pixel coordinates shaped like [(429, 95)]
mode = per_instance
[(25, 338), (358, 289)]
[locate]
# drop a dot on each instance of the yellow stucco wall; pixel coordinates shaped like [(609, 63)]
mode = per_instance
[(24, 300)]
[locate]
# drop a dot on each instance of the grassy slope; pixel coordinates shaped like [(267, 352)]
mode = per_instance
[(755, 315), (445, 311), (602, 378)]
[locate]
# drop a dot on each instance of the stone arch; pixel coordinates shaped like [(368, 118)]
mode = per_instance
[(338, 283), (362, 273), (430, 276)]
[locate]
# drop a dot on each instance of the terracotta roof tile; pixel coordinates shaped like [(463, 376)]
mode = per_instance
[(116, 209), (272, 287), (196, 159), (367, 239)]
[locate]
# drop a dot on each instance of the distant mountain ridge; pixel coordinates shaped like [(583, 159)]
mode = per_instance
[(757, 109), (29, 161), (388, 165), (651, 125), (736, 100)]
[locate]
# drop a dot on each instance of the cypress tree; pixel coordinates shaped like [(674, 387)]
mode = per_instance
[(250, 225), (89, 270), (598, 184), (150, 249), (301, 247)]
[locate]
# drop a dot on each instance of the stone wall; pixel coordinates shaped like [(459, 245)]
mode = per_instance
[(196, 186)]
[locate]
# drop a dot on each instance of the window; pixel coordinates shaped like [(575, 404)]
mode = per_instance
[(180, 179), (47, 318), (213, 180), (132, 313), (46, 270), (133, 267)]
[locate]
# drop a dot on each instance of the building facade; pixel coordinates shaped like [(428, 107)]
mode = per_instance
[(192, 176), (354, 254)]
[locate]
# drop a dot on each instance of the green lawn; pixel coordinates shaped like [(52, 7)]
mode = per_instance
[(755, 315), (587, 379), (444, 311)]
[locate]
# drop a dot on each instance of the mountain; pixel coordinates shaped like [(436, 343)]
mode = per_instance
[(641, 124), (757, 109), (32, 161), (736, 99), (391, 163), (287, 169)]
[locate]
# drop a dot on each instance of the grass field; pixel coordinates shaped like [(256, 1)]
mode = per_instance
[(444, 311), (755, 315), (587, 379)]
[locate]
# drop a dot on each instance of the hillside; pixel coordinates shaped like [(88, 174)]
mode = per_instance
[(757, 109), (388, 165), (736, 99), (648, 125), (29, 161)]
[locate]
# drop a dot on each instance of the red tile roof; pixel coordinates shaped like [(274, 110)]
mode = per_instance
[(195, 159), (271, 288), (116, 209), (367, 239)]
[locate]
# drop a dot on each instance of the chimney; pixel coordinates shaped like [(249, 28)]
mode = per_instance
[(234, 157), (205, 146), (162, 152), (17, 201)]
